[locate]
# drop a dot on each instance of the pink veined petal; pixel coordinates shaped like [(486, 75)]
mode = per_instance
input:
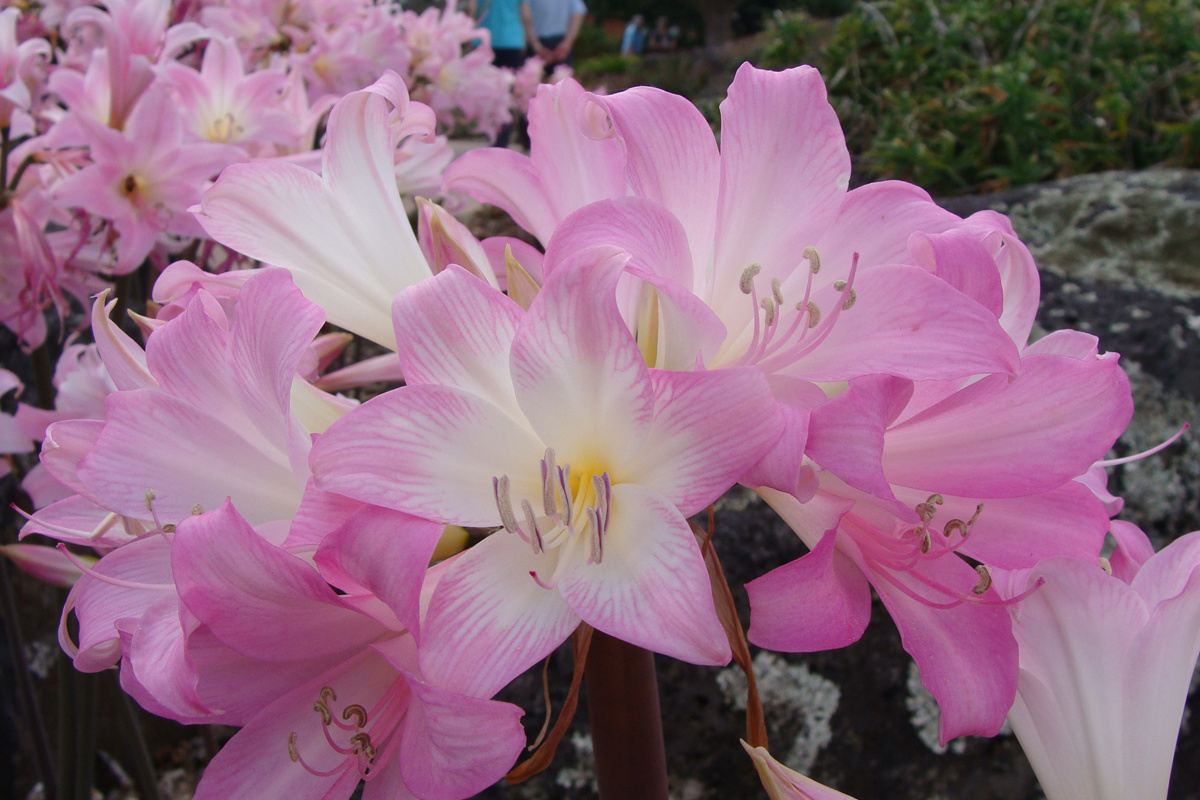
[(876, 220), (384, 552), (66, 443), (528, 256), (455, 330), (1075, 344), (671, 157), (783, 159), (1018, 272), (579, 376), (1075, 635), (274, 326), (152, 441), (909, 323), (1133, 549), (847, 434), (156, 656), (320, 513), (782, 466), (46, 563), (124, 360), (1162, 661), (820, 601), (431, 451), (77, 520), (648, 232), (43, 488), (1004, 437), (255, 597), (689, 333), (489, 620), (651, 588), (961, 260), (709, 427), (455, 746), (99, 606), (966, 654), (508, 180), (566, 125)]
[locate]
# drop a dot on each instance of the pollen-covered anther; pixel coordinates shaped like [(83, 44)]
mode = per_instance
[(814, 314), (747, 280), (358, 712), (500, 487), (928, 509), (1106, 565), (985, 580), (768, 307), (777, 291), (813, 259), (839, 285), (197, 510), (851, 299), (150, 497), (361, 745)]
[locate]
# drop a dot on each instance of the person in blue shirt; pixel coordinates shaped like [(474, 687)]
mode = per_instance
[(552, 27), (634, 40)]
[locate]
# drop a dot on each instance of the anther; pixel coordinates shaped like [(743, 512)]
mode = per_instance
[(1105, 565), (768, 307), (595, 534), (168, 528), (839, 286), (927, 509), (150, 496), (985, 580), (358, 712), (504, 504), (293, 754), (197, 510), (926, 541), (323, 710), (814, 260), (747, 278), (777, 291), (362, 745), (814, 314), (535, 536), (548, 470), (851, 298)]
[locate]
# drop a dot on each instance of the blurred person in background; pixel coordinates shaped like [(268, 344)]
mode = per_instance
[(552, 27), (634, 40), (503, 20)]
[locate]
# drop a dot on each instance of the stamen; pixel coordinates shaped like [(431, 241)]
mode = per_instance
[(985, 580), (1112, 462), (776, 291), (768, 305), (358, 712), (839, 285), (564, 482), (1105, 565), (549, 504), (814, 314), (150, 496), (500, 487), (596, 535), (928, 509), (747, 279), (362, 744), (851, 298), (814, 260), (535, 536), (197, 510), (322, 709), (90, 572)]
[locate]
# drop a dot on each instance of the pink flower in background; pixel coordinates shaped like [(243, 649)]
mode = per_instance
[(782, 783), (1106, 661), (549, 425)]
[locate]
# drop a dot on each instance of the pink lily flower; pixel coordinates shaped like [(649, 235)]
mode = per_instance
[(144, 178), (1106, 660), (549, 426), (327, 685), (908, 479)]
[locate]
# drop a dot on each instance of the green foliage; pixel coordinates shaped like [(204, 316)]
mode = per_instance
[(681, 73), (982, 94), (593, 42)]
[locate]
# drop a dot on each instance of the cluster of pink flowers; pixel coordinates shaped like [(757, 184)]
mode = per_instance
[(274, 556), (113, 131)]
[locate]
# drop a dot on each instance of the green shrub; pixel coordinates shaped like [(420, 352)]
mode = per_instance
[(983, 94)]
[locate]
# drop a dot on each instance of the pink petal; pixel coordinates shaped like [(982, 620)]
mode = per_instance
[(1007, 438), (783, 159), (255, 597), (651, 588), (455, 330), (671, 157), (456, 746), (489, 619), (908, 323), (579, 376), (451, 445), (709, 427), (961, 260), (820, 601), (384, 552), (506, 179)]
